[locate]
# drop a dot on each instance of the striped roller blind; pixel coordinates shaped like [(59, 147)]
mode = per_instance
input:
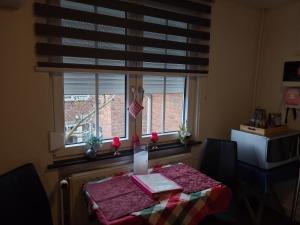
[(159, 85), (113, 36), (85, 84)]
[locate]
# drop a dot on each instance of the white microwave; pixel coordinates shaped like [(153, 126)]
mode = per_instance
[(266, 152)]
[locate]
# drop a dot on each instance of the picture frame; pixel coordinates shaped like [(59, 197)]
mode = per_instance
[(291, 74)]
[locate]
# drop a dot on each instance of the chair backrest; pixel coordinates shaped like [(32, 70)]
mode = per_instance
[(220, 160), (23, 199)]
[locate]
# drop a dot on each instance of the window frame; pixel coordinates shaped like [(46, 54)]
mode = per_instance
[(189, 111), (59, 123), (96, 84), (132, 126)]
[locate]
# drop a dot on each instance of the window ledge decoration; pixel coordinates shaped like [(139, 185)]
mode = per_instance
[(129, 152)]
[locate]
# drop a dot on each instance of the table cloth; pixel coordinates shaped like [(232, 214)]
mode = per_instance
[(118, 201)]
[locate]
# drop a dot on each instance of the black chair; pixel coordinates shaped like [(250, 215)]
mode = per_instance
[(219, 162), (23, 200)]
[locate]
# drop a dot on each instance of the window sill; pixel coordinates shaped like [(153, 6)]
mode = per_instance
[(124, 153)]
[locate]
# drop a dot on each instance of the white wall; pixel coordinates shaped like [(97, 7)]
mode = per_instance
[(227, 92)]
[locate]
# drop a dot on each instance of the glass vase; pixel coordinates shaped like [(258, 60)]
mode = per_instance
[(140, 159)]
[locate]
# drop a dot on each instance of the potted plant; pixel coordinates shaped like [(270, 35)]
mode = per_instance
[(93, 143), (184, 132)]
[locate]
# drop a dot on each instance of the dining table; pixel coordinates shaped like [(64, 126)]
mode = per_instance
[(117, 200)]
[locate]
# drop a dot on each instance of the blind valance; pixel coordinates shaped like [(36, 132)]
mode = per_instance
[(168, 37)]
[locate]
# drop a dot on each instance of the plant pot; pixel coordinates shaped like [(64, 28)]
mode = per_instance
[(91, 153)]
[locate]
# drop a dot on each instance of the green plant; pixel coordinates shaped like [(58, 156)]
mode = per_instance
[(183, 132), (93, 142)]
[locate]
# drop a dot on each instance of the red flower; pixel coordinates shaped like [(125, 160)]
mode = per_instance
[(154, 137), (116, 142)]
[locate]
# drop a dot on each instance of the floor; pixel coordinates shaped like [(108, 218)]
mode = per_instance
[(270, 217)]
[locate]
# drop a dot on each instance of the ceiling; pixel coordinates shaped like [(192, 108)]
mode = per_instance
[(266, 3)]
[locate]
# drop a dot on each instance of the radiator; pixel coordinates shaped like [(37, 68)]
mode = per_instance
[(77, 213)]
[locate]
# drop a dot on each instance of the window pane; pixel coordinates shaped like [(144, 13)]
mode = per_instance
[(153, 104), (80, 106), (112, 105), (163, 104), (94, 105), (174, 103)]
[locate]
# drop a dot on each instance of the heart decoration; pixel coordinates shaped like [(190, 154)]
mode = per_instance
[(136, 106)]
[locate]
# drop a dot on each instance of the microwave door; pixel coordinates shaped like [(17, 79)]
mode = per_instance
[(282, 149), (274, 152)]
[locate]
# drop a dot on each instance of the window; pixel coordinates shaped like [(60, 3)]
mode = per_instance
[(164, 104), (94, 105), (101, 50)]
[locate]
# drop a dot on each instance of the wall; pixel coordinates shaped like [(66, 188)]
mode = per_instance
[(281, 42), (26, 108), (226, 94), (25, 101)]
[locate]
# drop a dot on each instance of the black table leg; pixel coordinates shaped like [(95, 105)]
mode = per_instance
[(296, 198)]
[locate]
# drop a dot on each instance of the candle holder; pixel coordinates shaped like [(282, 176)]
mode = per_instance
[(154, 146), (116, 152), (140, 159)]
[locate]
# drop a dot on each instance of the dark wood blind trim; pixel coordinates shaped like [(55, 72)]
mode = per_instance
[(72, 51), (71, 66), (150, 11), (194, 6), (59, 12), (58, 31)]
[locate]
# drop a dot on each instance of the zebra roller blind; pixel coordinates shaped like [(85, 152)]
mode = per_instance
[(113, 36)]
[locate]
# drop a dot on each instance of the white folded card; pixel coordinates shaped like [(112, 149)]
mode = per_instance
[(155, 183)]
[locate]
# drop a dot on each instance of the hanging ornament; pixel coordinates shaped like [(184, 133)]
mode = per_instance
[(136, 106), (292, 101), (292, 97)]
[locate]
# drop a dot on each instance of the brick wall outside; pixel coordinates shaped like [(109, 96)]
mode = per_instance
[(118, 116), (157, 104), (112, 118), (174, 108), (173, 112), (105, 118)]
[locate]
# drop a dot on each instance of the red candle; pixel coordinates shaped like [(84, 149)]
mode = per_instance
[(154, 137), (116, 142)]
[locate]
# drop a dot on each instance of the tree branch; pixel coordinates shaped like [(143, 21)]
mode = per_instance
[(88, 116)]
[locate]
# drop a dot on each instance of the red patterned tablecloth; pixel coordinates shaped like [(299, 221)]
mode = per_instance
[(118, 201)]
